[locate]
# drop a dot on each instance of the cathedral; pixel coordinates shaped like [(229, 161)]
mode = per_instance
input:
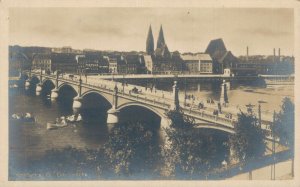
[(162, 59)]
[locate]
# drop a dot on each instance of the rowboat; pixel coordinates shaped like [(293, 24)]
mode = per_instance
[(23, 117), (74, 118), (51, 126), (58, 124)]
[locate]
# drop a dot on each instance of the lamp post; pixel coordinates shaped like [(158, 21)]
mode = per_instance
[(259, 112), (273, 149), (184, 91), (123, 82)]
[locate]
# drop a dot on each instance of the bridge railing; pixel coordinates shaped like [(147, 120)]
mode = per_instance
[(127, 93), (210, 117)]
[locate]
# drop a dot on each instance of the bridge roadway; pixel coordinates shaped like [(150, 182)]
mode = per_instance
[(172, 76), (121, 96)]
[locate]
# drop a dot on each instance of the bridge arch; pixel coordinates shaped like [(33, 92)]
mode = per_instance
[(47, 80), (47, 86), (215, 127), (85, 94), (34, 79), (64, 85), (94, 107), (151, 116), (160, 114)]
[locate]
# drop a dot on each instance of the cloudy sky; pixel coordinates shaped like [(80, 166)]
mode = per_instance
[(125, 29)]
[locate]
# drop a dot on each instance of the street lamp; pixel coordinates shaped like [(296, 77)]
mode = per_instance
[(184, 91), (123, 82), (273, 149), (259, 111)]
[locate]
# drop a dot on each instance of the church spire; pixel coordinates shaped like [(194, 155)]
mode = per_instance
[(161, 38), (150, 42)]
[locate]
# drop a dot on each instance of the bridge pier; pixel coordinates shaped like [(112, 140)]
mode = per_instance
[(38, 89), (54, 94), (27, 84), (228, 84), (165, 122), (77, 104), (113, 116)]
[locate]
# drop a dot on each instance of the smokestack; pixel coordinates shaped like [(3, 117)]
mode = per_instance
[(274, 54), (279, 54), (247, 57)]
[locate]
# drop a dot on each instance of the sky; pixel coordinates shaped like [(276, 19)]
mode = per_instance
[(125, 29)]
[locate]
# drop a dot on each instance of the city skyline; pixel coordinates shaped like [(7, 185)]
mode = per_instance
[(125, 29)]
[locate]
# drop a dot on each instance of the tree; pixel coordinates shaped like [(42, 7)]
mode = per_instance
[(284, 125), (132, 149), (248, 140), (192, 152)]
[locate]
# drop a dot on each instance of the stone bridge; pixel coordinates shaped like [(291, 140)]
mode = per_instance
[(121, 96)]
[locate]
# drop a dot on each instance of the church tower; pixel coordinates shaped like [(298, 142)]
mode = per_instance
[(150, 42), (161, 38)]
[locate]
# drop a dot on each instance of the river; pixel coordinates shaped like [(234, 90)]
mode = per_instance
[(29, 141)]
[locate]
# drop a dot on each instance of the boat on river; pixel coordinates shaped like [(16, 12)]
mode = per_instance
[(74, 118), (27, 117), (57, 124), (51, 126)]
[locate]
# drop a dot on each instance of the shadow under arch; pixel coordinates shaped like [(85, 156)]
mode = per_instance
[(47, 86), (95, 107), (137, 112), (66, 93), (34, 80)]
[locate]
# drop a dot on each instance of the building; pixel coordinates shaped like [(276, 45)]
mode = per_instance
[(127, 64), (197, 63), (150, 67), (150, 42), (93, 62), (113, 64), (64, 62), (135, 64), (161, 51), (66, 49), (161, 60), (18, 61), (221, 57), (268, 65), (42, 61)]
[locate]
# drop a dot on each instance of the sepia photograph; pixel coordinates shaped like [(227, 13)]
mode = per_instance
[(151, 93)]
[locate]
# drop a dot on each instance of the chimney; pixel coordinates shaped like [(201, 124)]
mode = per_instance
[(274, 54), (279, 54), (247, 57)]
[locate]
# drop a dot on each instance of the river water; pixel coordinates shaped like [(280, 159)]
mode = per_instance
[(27, 141)]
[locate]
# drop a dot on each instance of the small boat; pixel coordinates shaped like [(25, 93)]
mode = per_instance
[(57, 124), (13, 86), (74, 118), (27, 117), (51, 126)]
